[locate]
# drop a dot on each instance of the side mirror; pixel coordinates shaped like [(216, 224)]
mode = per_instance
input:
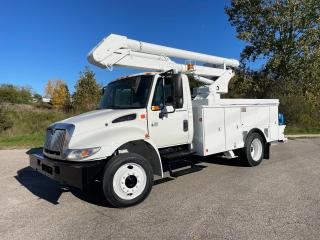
[(103, 90), (166, 110), (178, 90), (170, 109)]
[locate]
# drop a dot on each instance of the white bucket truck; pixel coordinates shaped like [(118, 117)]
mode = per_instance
[(147, 117)]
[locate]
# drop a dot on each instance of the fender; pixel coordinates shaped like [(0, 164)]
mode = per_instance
[(266, 143), (146, 149), (118, 137), (257, 130)]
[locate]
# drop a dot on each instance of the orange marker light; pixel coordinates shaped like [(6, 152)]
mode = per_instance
[(190, 66), (84, 153), (155, 108)]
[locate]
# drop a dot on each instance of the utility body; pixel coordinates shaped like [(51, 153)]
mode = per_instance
[(147, 117)]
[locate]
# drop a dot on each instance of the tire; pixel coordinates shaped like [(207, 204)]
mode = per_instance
[(127, 180), (253, 151)]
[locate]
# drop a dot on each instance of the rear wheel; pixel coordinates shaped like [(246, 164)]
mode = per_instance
[(254, 149), (127, 180)]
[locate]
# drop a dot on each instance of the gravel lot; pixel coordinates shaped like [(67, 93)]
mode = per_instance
[(280, 199)]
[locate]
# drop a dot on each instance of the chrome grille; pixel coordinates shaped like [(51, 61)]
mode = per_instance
[(55, 140)]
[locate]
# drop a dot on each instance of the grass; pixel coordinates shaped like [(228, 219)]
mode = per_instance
[(22, 141), (28, 125), (300, 130)]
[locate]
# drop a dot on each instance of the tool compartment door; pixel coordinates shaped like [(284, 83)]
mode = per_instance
[(234, 137), (214, 130), (274, 124)]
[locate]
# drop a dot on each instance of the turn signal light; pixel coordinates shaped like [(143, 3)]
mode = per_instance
[(155, 108), (79, 154), (85, 153)]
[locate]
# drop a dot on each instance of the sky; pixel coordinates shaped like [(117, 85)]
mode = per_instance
[(45, 40)]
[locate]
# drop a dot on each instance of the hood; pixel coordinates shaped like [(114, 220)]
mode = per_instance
[(97, 119)]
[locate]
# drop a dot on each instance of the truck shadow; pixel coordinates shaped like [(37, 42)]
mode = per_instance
[(51, 191), (40, 185), (212, 159), (219, 160)]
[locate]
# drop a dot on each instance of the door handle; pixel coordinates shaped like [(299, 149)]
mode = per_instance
[(185, 125), (154, 124)]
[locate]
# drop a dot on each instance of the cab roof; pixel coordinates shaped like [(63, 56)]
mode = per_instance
[(134, 75)]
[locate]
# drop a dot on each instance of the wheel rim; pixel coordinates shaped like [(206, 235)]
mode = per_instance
[(256, 149), (129, 181)]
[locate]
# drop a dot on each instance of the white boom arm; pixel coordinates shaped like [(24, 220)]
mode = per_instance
[(117, 50)]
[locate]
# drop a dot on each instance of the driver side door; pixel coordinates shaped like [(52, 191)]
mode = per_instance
[(168, 126)]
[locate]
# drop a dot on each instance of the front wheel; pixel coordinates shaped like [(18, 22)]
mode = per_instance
[(253, 151), (127, 180)]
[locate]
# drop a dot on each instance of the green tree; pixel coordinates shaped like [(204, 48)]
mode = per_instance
[(37, 97), (194, 84), (250, 84), (285, 35), (13, 94), (87, 92)]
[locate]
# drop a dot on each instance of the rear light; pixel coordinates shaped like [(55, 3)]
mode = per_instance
[(281, 119)]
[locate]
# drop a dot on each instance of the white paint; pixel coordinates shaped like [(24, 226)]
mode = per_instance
[(168, 130), (256, 149), (129, 170), (117, 50), (215, 124)]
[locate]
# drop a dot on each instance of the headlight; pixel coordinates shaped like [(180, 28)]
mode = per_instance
[(79, 154)]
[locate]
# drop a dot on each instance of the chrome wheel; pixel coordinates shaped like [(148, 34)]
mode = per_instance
[(256, 149), (129, 181)]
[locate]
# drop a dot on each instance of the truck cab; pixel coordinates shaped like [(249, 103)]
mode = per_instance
[(137, 114)]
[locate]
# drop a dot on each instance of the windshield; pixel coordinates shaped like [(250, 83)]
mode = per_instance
[(127, 93)]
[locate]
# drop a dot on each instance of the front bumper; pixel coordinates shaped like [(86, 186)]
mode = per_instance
[(76, 174)]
